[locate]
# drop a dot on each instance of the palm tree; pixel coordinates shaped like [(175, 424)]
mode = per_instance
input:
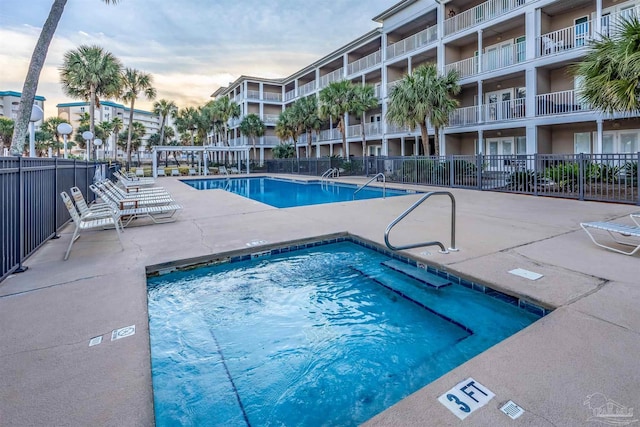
[(164, 109), (252, 126), (187, 120), (610, 71), (50, 126), (225, 109), (287, 128), (33, 74), (116, 124), (135, 83), (283, 151), (6, 130), (308, 115), (104, 130), (364, 99), (89, 73), (420, 96), (335, 103)]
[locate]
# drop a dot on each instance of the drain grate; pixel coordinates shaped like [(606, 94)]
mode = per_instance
[(95, 341), (526, 274), (512, 410), (127, 331), (257, 243)]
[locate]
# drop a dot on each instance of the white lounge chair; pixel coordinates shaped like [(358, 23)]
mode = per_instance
[(635, 218), (160, 172), (175, 172), (87, 223), (95, 211), (192, 172), (234, 170), (615, 230), (222, 170), (140, 172)]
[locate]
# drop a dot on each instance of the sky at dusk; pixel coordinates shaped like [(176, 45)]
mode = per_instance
[(191, 47)]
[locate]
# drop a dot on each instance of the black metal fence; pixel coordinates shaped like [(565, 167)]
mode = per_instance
[(598, 177), (31, 209)]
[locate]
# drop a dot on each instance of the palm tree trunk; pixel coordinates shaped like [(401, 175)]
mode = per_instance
[(309, 138), (130, 133), (436, 141), (343, 131), (364, 139), (33, 75), (425, 138), (115, 144)]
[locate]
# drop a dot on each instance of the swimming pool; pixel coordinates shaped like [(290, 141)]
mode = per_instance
[(283, 193), (324, 335)]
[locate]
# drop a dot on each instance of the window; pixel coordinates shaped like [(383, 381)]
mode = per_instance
[(582, 143), (581, 31), (521, 145)]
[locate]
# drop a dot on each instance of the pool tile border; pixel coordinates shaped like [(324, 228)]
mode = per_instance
[(286, 247)]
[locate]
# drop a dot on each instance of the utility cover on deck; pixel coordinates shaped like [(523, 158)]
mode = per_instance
[(526, 274)]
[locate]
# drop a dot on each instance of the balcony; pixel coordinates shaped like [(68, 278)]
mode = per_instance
[(611, 23), (302, 140), (465, 116), (333, 76), (363, 63), (564, 40), (492, 59), (270, 140), (391, 85), (270, 118), (307, 88), (330, 135), (481, 13), (564, 102), (272, 96), (512, 109), (253, 94), (413, 42), (288, 96)]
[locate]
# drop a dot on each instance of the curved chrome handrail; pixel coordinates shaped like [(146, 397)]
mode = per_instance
[(384, 185), (443, 250)]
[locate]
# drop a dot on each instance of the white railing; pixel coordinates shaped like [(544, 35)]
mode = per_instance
[(272, 96), (373, 128), (330, 135), (288, 96), (270, 118), (303, 138), (503, 57), (354, 130), (363, 63), (465, 68), (512, 109), (479, 14), (377, 91), (270, 140), (391, 85), (565, 39), (307, 88), (253, 94), (393, 128), (413, 42), (611, 23), (333, 76), (465, 116), (564, 102)]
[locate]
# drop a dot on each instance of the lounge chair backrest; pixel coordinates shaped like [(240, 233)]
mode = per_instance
[(81, 204), (69, 204)]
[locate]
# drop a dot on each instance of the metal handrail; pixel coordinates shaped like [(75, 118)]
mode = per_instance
[(384, 185), (433, 243), (330, 173)]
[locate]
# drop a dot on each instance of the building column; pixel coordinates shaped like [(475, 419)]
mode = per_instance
[(154, 163), (480, 102), (531, 19), (480, 67), (531, 85), (597, 27), (600, 125), (532, 139), (480, 147), (402, 150)]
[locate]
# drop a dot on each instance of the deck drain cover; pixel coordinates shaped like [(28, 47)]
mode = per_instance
[(526, 274), (511, 409), (257, 243), (95, 341), (127, 331)]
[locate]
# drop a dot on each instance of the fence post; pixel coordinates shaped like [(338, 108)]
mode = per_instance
[(479, 171), (55, 198), (638, 177), (535, 174), (21, 268), (452, 173), (581, 176)]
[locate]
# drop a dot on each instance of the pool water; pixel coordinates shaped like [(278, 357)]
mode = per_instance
[(308, 338), (282, 193)]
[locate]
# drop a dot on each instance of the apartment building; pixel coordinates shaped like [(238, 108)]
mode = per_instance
[(513, 57), (9, 102), (108, 110)]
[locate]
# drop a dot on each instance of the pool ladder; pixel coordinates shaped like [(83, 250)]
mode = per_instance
[(384, 185), (403, 215), (330, 173)]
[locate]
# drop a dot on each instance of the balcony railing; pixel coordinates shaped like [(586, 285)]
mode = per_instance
[(564, 102), (413, 42), (565, 39), (466, 116), (330, 135), (611, 23), (273, 96), (377, 91), (270, 140), (363, 63), (333, 76), (288, 96), (353, 131), (512, 109), (391, 85), (465, 68), (270, 118), (392, 128), (253, 94), (303, 138), (307, 88), (479, 14)]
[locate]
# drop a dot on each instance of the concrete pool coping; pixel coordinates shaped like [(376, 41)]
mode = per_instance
[(588, 345)]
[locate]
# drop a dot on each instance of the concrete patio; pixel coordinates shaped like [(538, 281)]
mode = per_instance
[(588, 344)]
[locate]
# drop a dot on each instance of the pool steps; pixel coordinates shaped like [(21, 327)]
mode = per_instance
[(418, 274)]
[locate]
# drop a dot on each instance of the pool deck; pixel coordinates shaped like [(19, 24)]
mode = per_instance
[(589, 344)]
